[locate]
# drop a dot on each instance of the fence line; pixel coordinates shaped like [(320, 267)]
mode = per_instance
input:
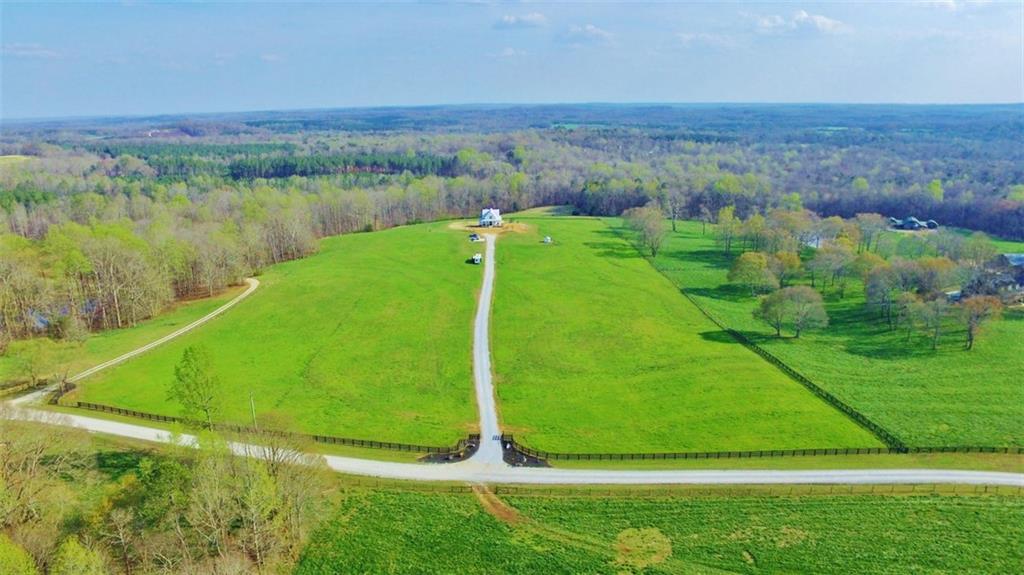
[(460, 445), (15, 389), (510, 441)]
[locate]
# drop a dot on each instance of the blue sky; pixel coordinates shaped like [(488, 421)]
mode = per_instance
[(69, 59)]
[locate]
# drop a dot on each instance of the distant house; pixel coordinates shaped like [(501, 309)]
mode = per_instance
[(1003, 276), (490, 217), (912, 223)]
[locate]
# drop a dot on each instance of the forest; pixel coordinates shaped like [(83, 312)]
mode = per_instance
[(108, 221)]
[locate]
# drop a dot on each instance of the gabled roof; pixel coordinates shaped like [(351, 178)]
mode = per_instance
[(1015, 259)]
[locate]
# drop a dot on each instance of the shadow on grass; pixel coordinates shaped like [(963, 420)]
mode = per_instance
[(115, 464), (721, 336), (726, 292), (618, 249), (706, 258)]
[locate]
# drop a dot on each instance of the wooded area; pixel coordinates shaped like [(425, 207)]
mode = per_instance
[(105, 223)]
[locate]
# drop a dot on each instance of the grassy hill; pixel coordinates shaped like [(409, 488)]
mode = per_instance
[(432, 533), (594, 351), (946, 397), (370, 338)]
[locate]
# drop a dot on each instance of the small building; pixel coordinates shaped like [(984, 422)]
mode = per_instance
[(477, 258), (1002, 276), (490, 218), (912, 223)]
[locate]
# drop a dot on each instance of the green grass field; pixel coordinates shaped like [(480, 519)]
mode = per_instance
[(63, 358), (13, 160), (594, 351), (433, 533), (370, 338), (946, 397)]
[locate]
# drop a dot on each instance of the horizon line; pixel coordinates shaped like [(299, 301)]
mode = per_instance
[(721, 103)]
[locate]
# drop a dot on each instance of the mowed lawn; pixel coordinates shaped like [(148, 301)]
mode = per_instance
[(396, 532), (370, 338), (595, 351), (946, 397)]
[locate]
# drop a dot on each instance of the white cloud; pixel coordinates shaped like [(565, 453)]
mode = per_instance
[(587, 34), (800, 20), (270, 57), (817, 21), (703, 39), (531, 20), (17, 50)]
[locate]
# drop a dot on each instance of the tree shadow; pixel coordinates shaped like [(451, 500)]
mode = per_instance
[(709, 258), (618, 250), (722, 336), (115, 464), (726, 292)]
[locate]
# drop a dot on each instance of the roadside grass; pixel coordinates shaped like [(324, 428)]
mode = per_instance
[(396, 532), (1011, 463), (59, 358), (941, 398), (594, 351), (370, 338)]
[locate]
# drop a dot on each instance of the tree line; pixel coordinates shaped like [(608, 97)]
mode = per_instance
[(905, 278)]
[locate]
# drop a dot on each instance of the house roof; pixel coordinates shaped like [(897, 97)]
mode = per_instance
[(1015, 259)]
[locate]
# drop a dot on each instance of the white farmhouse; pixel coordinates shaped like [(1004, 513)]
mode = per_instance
[(490, 217)]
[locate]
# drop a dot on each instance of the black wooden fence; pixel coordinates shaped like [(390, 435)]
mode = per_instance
[(460, 446), (510, 442)]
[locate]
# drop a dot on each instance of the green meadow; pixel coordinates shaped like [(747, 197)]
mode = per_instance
[(388, 532), (944, 397), (59, 358), (594, 351), (369, 338)]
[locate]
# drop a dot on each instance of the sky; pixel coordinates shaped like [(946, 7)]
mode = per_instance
[(138, 58)]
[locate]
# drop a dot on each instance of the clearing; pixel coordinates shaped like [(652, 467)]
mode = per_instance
[(594, 351)]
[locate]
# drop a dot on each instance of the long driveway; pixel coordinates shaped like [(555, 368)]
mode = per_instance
[(487, 466)]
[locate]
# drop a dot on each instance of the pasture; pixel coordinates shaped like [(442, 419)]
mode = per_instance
[(944, 397), (393, 532), (369, 338), (594, 351)]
